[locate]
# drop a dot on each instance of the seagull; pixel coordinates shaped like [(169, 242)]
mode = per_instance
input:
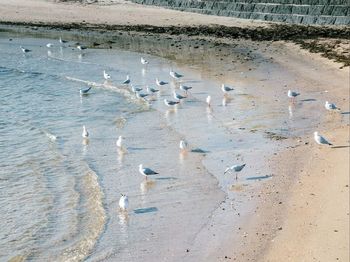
[(85, 133), (331, 106), (120, 141), (135, 89), (185, 88), (175, 75), (321, 140), (161, 83), (226, 89), (170, 103), (146, 171), (106, 75), (49, 45), (127, 80), (62, 41), (81, 48), (292, 94), (178, 96), (183, 145), (84, 91), (140, 95), (152, 90), (123, 202), (235, 168), (208, 100), (25, 50), (144, 61)]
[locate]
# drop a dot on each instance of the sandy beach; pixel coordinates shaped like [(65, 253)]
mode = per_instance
[(302, 213)]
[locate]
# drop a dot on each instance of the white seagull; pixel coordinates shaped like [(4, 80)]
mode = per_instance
[(170, 103), (331, 106), (292, 94), (85, 133), (144, 61), (120, 141), (152, 90), (25, 50), (135, 89), (185, 88), (123, 202), (81, 48), (146, 171), (49, 45), (175, 75), (84, 91), (106, 75), (183, 145), (62, 41), (140, 95), (208, 100), (178, 96), (161, 83), (127, 80), (226, 89), (234, 168), (321, 140)]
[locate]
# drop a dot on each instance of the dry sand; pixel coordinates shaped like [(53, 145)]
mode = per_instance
[(313, 214)]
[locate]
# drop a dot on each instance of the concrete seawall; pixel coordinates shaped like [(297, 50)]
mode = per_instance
[(320, 12)]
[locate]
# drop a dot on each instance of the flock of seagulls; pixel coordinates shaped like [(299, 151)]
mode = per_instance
[(183, 145)]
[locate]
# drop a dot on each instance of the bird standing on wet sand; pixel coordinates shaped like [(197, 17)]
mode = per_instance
[(144, 61), (208, 100), (62, 41), (152, 90), (160, 83), (135, 89), (185, 88), (175, 75), (292, 94), (81, 48), (331, 106), (170, 103), (25, 50), (127, 80), (123, 202), (183, 145), (85, 133), (226, 89), (146, 171), (321, 140), (105, 75), (120, 141), (235, 168), (178, 96), (49, 45)]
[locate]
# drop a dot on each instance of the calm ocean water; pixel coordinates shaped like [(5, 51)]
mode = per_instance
[(59, 197)]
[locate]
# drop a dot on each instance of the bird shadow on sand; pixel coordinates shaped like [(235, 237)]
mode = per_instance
[(198, 150), (145, 210), (258, 177), (345, 146), (345, 113), (166, 178), (308, 100)]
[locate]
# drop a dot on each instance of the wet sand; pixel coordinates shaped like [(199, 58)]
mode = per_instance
[(294, 215)]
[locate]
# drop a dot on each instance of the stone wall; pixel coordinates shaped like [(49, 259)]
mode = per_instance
[(321, 12)]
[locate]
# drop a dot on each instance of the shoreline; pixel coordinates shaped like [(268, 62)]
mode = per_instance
[(274, 251)]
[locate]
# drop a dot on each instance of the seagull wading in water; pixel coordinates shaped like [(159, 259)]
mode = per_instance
[(85, 91), (235, 168), (85, 133), (321, 140), (144, 61), (127, 80), (146, 171), (175, 75), (123, 202), (120, 142)]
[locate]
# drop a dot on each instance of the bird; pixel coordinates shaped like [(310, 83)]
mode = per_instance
[(85, 133), (127, 80), (292, 94), (226, 89), (331, 106), (135, 89), (208, 100), (183, 145), (123, 202), (25, 50), (62, 41), (84, 91), (185, 88), (321, 140), (81, 48), (120, 141), (178, 96), (106, 75), (175, 75), (235, 168), (152, 90), (144, 61), (49, 45), (161, 83), (146, 171), (140, 95), (170, 103)]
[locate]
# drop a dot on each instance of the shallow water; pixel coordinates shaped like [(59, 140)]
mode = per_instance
[(59, 197)]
